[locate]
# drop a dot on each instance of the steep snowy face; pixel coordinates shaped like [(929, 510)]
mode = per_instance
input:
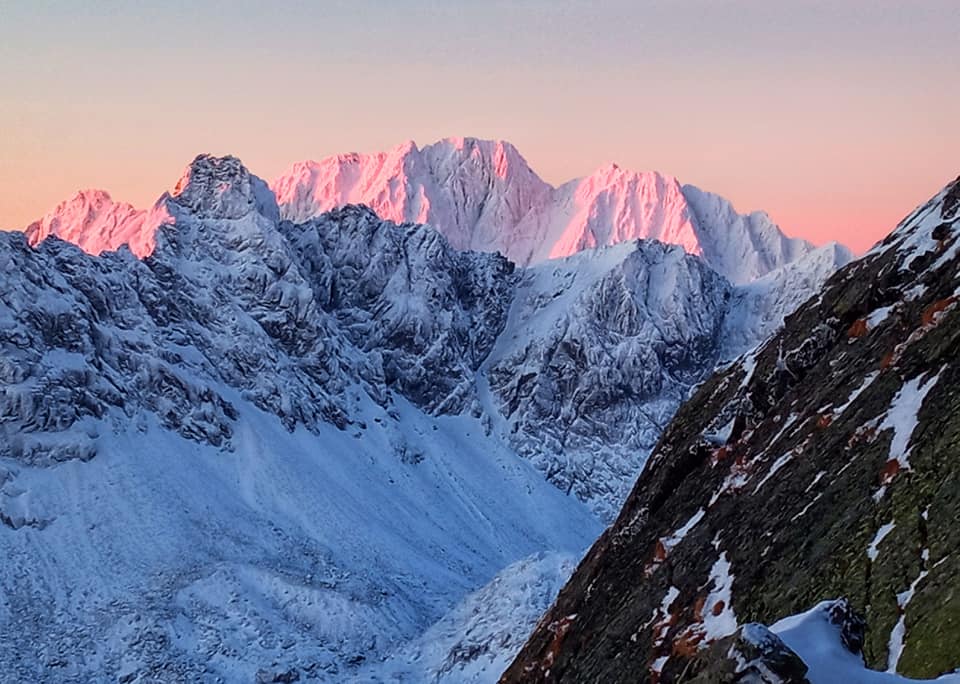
[(759, 308), (611, 206), (824, 461), (482, 195), (743, 247), (471, 190), (425, 314), (599, 351)]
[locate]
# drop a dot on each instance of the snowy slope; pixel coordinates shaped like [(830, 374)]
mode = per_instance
[(818, 641), (475, 641), (314, 551), (222, 459), (759, 307), (471, 190)]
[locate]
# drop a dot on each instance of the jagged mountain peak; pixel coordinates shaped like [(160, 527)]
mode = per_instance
[(222, 187), (483, 195), (96, 223), (210, 187), (614, 205), (92, 196), (501, 152), (927, 227)]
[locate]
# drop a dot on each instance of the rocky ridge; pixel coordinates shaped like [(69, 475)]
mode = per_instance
[(482, 195)]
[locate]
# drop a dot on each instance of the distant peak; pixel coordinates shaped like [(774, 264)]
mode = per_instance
[(504, 158), (91, 196), (406, 147), (611, 174), (222, 187), (206, 168)]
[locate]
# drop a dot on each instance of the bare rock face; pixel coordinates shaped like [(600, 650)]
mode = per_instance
[(824, 463)]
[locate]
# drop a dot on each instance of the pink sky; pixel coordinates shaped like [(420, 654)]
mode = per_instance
[(836, 118)]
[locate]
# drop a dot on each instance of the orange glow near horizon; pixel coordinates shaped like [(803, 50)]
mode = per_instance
[(835, 118)]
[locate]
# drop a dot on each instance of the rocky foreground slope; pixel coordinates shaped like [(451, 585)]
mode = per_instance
[(823, 465)]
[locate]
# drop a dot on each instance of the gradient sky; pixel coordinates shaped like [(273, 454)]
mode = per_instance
[(836, 117)]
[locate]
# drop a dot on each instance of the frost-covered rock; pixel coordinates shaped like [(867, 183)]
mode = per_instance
[(426, 314), (599, 351), (752, 655)]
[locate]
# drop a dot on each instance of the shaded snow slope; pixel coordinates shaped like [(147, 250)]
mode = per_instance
[(475, 641), (164, 558)]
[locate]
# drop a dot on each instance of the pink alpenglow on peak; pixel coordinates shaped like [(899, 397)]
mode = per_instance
[(482, 195), (95, 223), (210, 187), (475, 192), (615, 205)]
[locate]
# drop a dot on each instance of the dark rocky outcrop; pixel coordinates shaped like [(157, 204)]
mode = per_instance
[(752, 655)]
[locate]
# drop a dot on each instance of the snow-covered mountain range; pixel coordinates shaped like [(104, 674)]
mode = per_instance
[(483, 196), (282, 435)]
